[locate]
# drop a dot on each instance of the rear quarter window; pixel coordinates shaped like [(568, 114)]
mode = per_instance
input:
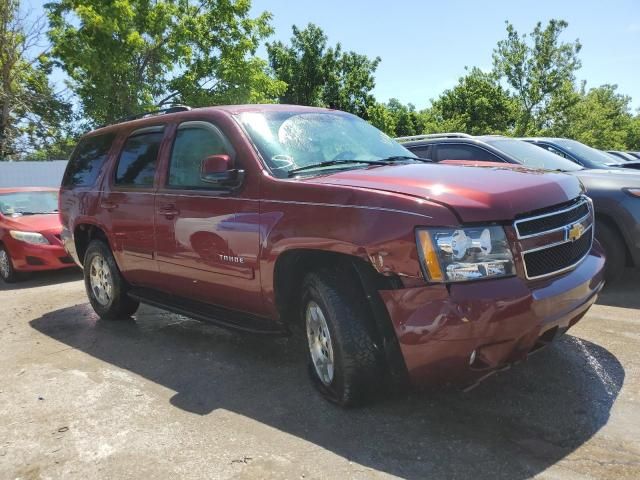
[(87, 161)]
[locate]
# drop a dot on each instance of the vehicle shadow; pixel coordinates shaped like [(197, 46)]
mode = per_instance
[(514, 425), (624, 292), (40, 279)]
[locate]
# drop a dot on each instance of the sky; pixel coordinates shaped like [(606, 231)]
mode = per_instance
[(425, 45)]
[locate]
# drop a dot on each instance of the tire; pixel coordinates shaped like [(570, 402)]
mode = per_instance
[(106, 289), (615, 250), (7, 272), (345, 338)]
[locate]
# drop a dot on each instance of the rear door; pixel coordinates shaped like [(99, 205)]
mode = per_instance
[(207, 236), (129, 204)]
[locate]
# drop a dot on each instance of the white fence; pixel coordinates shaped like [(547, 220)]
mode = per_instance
[(32, 174)]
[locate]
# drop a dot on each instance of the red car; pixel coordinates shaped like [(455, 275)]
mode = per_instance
[(268, 217), (30, 232)]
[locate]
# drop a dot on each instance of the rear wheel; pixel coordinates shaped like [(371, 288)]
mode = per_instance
[(615, 251), (341, 348), (106, 289), (7, 272)]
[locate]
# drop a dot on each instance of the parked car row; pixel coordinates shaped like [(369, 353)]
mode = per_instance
[(439, 260), (615, 191)]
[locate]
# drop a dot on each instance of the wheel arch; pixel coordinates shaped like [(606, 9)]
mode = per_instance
[(293, 265), (83, 234), (613, 225)]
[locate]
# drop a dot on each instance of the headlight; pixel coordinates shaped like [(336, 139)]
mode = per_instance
[(29, 237), (459, 254)]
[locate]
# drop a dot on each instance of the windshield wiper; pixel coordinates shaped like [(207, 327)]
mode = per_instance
[(37, 213), (406, 157), (329, 163)]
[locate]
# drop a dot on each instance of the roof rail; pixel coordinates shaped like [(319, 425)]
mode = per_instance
[(150, 113), (414, 138)]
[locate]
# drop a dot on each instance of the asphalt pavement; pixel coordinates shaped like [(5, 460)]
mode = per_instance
[(163, 396)]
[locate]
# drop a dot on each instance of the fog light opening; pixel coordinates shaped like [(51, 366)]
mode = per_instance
[(472, 357)]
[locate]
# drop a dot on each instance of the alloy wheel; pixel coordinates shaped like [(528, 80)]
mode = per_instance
[(5, 265), (320, 345), (101, 280)]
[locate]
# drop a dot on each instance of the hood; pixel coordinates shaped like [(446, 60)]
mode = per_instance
[(478, 193), (35, 223), (631, 164), (608, 179)]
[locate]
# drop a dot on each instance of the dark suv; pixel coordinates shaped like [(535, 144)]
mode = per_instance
[(615, 192), (582, 154), (264, 217)]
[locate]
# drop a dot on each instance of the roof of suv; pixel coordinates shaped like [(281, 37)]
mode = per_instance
[(229, 109)]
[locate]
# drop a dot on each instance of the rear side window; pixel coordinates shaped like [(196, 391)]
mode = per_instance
[(87, 161), (465, 152), (138, 160)]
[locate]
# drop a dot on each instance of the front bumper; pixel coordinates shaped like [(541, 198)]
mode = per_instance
[(439, 327), (33, 258)]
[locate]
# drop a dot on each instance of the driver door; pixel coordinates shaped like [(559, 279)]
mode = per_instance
[(207, 246)]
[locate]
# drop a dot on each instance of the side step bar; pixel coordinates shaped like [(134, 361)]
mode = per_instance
[(219, 316)]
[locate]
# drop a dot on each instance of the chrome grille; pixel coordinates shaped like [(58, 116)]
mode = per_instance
[(562, 237)]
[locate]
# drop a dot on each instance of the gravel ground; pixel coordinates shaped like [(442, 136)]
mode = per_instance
[(163, 396)]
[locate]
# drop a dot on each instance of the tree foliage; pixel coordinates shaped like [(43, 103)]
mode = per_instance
[(537, 67), (476, 105), (32, 114), (600, 118), (128, 56), (319, 75)]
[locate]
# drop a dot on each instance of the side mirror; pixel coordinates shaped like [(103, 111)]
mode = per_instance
[(217, 170)]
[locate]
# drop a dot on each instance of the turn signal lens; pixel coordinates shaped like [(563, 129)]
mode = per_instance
[(430, 257)]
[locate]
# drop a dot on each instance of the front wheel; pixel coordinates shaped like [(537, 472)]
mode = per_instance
[(614, 249), (7, 272), (106, 289), (341, 348)]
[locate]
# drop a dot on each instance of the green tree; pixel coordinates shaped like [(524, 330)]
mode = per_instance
[(633, 134), (537, 67), (407, 120), (601, 118), (476, 105), (32, 114), (128, 56), (381, 117), (319, 75)]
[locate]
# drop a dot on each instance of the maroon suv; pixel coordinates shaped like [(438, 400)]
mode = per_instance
[(263, 217)]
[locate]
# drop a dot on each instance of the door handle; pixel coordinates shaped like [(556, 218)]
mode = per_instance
[(107, 205), (169, 211)]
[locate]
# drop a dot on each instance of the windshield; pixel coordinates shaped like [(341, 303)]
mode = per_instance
[(28, 203), (291, 140), (589, 157), (532, 156)]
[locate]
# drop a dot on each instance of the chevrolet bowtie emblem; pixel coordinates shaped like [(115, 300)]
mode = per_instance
[(574, 232)]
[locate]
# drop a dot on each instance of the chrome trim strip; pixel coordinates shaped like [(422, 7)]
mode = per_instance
[(565, 269), (363, 207), (317, 204), (564, 241), (583, 201)]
